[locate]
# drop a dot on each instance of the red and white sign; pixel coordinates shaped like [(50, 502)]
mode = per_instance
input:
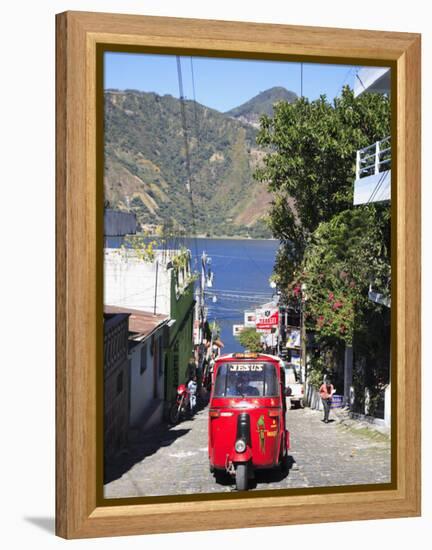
[(267, 318)]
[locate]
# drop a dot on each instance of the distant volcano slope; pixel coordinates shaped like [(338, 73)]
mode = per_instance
[(146, 169)]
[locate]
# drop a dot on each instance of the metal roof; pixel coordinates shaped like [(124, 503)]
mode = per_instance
[(142, 323)]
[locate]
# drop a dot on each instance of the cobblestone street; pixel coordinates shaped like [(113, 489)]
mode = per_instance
[(174, 460)]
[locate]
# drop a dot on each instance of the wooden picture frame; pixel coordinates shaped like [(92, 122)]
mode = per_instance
[(79, 207)]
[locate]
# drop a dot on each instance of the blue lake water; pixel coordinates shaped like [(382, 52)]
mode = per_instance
[(241, 268)]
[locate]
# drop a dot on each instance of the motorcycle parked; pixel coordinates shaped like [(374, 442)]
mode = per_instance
[(181, 407)]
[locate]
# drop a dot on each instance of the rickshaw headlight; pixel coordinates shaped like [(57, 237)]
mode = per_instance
[(240, 446)]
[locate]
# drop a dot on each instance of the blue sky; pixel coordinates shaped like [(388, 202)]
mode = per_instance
[(222, 83)]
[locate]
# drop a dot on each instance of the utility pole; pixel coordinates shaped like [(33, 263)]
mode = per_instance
[(303, 344), (156, 286), (303, 338), (201, 300)]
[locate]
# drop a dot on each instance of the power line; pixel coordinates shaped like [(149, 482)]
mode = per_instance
[(239, 296), (377, 187), (197, 134), (266, 276), (301, 79), (236, 291), (344, 80), (187, 152), (194, 99), (235, 257), (360, 80)]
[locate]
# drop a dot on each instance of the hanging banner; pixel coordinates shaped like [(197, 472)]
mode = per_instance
[(293, 337)]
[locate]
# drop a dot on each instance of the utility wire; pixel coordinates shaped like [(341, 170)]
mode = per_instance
[(186, 145), (195, 103), (237, 291), (239, 296), (360, 80), (197, 133), (377, 188), (301, 79), (266, 276), (235, 257), (344, 80)]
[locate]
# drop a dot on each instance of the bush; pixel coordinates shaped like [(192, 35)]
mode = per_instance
[(250, 339)]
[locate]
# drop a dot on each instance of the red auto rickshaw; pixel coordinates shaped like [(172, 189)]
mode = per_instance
[(246, 429)]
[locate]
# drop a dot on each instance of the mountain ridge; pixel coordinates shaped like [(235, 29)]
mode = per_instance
[(251, 110), (146, 169)]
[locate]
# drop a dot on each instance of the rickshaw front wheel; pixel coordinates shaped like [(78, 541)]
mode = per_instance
[(241, 477)]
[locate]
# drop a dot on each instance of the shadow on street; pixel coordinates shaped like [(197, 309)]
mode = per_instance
[(144, 444), (141, 446)]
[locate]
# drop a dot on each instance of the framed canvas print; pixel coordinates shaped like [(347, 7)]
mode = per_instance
[(238, 274)]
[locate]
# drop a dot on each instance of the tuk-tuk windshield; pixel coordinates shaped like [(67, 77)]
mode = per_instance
[(246, 380)]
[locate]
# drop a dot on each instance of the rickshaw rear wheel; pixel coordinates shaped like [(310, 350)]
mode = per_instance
[(283, 463), (283, 457), (241, 477)]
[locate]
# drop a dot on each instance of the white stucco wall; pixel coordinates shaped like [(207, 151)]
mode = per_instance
[(130, 282), (141, 385)]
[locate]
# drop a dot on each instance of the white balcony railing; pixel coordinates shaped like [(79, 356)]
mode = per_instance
[(373, 173), (374, 159)]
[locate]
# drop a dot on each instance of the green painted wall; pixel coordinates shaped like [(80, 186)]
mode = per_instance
[(180, 339)]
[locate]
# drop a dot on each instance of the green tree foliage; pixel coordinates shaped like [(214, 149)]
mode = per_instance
[(215, 330), (310, 167), (143, 248), (345, 255), (330, 250), (250, 339)]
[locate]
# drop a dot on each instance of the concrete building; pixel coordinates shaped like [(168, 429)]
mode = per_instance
[(148, 335), (118, 223), (161, 287), (373, 163), (116, 382)]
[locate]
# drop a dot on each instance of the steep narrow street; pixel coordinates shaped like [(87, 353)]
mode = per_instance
[(174, 460)]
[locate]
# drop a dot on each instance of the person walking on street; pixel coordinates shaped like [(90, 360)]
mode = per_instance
[(191, 368), (326, 391), (192, 389), (211, 365)]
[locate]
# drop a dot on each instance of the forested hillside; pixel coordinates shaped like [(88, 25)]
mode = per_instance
[(146, 168)]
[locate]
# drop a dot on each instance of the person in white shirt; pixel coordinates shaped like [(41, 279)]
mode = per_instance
[(192, 389)]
